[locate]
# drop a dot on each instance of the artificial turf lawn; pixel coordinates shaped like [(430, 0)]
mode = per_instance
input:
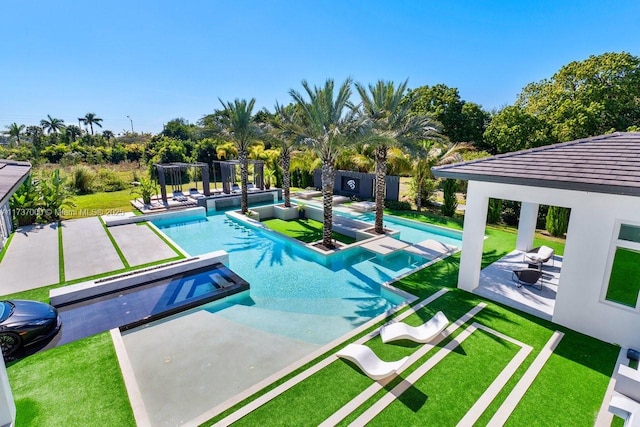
[(624, 282), (568, 391), (305, 230), (77, 384)]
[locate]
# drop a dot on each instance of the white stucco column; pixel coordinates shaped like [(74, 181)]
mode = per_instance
[(527, 226), (7, 405), (475, 218)]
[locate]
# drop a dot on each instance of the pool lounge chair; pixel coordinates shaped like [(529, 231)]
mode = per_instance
[(527, 276), (422, 334), (195, 194), (625, 408), (235, 188), (369, 362), (540, 255), (363, 206), (178, 196)]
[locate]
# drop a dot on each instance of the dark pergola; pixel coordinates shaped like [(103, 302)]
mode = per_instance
[(228, 173), (175, 171)]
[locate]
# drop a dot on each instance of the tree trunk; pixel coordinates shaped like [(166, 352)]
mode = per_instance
[(286, 177), (419, 198), (244, 178), (328, 174), (381, 173)]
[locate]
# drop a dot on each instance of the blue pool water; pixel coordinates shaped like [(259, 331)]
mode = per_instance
[(288, 279)]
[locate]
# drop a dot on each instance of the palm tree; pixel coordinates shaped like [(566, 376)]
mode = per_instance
[(284, 127), (52, 125), (433, 153), (91, 119), (15, 130), (237, 123), (325, 130), (73, 132), (108, 135), (389, 123)]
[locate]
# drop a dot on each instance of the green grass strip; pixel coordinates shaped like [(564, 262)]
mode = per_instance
[(60, 255), (77, 384), (305, 230), (115, 245), (445, 393), (6, 245), (164, 239)]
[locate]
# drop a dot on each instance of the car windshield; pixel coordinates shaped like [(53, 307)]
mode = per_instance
[(5, 310)]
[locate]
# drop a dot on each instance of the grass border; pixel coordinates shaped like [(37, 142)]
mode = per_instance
[(61, 274), (115, 245)]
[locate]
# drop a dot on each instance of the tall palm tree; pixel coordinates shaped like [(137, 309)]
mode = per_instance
[(237, 123), (52, 125), (283, 128), (15, 130), (389, 123), (91, 119), (108, 135), (325, 129)]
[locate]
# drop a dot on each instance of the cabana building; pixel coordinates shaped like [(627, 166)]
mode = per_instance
[(597, 178)]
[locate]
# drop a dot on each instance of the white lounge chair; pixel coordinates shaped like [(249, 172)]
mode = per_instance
[(369, 362), (625, 408), (539, 255), (422, 334)]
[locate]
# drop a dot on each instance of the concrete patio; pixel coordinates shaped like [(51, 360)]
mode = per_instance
[(497, 284)]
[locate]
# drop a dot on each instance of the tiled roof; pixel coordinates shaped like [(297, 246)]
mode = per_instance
[(12, 174), (603, 164)]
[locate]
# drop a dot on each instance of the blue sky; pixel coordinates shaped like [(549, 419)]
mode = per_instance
[(158, 60)]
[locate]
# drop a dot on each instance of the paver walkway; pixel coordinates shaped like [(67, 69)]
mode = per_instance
[(140, 245), (31, 260), (87, 249)]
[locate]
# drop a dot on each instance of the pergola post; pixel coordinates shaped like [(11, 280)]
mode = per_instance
[(475, 219), (204, 168), (527, 226), (162, 183)]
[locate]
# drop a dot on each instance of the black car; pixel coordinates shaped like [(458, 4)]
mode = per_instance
[(26, 322)]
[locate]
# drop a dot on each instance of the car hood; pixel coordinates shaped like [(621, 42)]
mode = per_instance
[(31, 310)]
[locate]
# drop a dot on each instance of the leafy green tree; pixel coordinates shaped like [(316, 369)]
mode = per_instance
[(587, 98), (35, 133), (134, 152), (460, 121), (52, 125), (91, 119), (325, 128), (108, 135), (14, 130), (387, 122), (494, 211), (514, 129), (178, 129), (237, 124), (72, 132), (24, 202)]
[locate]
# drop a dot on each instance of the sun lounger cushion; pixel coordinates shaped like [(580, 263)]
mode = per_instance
[(539, 255)]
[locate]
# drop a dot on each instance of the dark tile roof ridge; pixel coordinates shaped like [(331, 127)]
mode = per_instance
[(540, 149)]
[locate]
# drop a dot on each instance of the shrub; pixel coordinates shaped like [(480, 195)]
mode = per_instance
[(510, 212), (146, 190), (109, 181), (82, 180), (557, 220), (494, 212), (450, 203), (397, 205)]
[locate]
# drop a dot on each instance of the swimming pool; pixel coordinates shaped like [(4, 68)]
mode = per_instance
[(286, 278)]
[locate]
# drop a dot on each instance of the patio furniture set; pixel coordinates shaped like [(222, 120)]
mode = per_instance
[(532, 275)]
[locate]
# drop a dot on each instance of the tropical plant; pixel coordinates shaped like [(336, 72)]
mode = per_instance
[(52, 125), (14, 130), (145, 190), (54, 196), (82, 180), (73, 132), (325, 128), (236, 122), (35, 133), (108, 135), (91, 119), (269, 176), (434, 153), (388, 121), (24, 202)]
